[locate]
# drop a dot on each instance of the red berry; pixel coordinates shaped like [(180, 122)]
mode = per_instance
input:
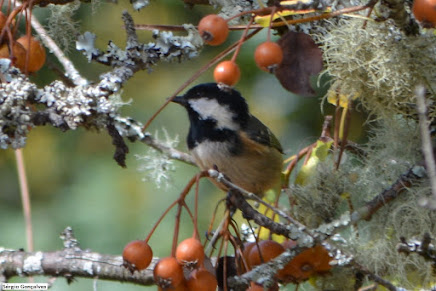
[(268, 56), (137, 255), (425, 12), (213, 29), (36, 53), (18, 55), (168, 273), (201, 279), (190, 253), (265, 251), (227, 73)]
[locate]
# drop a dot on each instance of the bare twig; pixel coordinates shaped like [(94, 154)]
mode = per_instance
[(70, 70), (25, 198), (377, 279), (168, 151), (427, 148)]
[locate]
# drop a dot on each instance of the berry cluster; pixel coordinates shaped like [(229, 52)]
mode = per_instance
[(214, 31), (186, 269), (183, 271), (310, 262), (25, 52)]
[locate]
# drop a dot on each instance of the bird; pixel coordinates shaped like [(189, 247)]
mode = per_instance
[(224, 135)]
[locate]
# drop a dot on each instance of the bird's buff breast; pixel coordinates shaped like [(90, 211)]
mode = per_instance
[(256, 171)]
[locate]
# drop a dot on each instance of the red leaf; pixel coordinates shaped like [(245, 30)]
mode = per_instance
[(302, 58)]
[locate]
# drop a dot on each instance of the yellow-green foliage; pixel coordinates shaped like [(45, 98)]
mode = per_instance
[(380, 64)]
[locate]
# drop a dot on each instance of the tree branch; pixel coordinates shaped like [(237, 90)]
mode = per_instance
[(422, 247), (406, 180), (70, 262)]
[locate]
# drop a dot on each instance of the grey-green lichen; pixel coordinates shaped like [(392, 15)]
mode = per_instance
[(136, 55), (158, 167), (380, 64), (393, 148), (326, 188), (378, 239), (61, 106), (61, 26), (15, 112)]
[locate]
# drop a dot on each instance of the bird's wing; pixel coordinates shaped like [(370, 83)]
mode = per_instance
[(259, 132)]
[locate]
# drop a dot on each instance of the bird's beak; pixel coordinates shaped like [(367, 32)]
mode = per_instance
[(179, 100)]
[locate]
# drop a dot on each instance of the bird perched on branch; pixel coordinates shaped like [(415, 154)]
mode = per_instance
[(225, 135)]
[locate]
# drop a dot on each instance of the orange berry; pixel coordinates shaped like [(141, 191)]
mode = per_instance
[(246, 252), (425, 12), (137, 255), (18, 56), (36, 53), (213, 29), (3, 19), (4, 51), (190, 253), (309, 262), (201, 279), (227, 73), (265, 251), (289, 244), (268, 56), (181, 287), (168, 273)]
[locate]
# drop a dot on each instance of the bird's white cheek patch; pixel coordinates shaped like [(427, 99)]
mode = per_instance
[(211, 109)]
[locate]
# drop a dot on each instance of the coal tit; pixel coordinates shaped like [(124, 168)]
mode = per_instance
[(225, 135)]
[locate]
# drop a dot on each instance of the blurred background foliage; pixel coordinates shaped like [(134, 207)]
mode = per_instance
[(75, 182)]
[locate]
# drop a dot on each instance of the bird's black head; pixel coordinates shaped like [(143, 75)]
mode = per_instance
[(215, 114)]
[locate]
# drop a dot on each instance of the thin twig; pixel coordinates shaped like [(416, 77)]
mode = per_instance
[(71, 71), (25, 198), (385, 283), (406, 180), (273, 24), (427, 148), (170, 152)]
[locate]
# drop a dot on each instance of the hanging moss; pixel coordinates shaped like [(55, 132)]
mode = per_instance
[(380, 64), (393, 148)]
